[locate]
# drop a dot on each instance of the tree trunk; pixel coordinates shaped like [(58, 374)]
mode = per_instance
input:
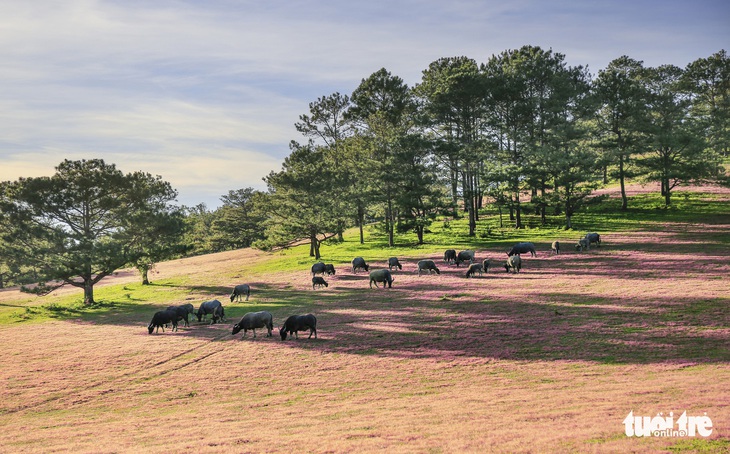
[(624, 199), (390, 221), (419, 233), (478, 192), (145, 271), (470, 201), (88, 292), (543, 217), (569, 209), (361, 221), (518, 208), (455, 191), (667, 194), (313, 245)]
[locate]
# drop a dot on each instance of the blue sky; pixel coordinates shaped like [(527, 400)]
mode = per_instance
[(206, 93)]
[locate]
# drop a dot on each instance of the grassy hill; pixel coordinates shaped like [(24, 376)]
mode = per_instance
[(549, 360)]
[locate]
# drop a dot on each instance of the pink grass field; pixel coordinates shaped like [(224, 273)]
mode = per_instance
[(549, 360)]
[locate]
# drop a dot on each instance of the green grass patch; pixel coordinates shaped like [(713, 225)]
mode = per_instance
[(607, 438), (701, 445), (646, 212)]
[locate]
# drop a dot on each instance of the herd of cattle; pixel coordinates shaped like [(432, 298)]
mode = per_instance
[(513, 262), (250, 321), (295, 323)]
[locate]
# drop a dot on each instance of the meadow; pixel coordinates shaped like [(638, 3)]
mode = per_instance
[(552, 359)]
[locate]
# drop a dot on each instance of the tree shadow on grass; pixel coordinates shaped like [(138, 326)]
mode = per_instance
[(435, 320), (498, 315), (514, 329)]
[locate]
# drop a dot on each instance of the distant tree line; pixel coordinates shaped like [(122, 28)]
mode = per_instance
[(522, 127)]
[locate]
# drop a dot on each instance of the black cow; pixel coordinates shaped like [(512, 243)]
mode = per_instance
[(359, 263), (464, 256), (318, 281), (393, 262), (161, 318), (212, 307), (297, 323), (450, 256), (522, 248), (383, 276), (427, 265), (239, 291)]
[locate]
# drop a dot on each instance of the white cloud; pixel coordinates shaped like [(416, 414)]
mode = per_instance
[(191, 87)]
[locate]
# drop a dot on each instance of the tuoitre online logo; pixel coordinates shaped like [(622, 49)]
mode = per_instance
[(666, 426)]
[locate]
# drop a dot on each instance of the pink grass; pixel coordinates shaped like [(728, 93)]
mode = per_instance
[(548, 360)]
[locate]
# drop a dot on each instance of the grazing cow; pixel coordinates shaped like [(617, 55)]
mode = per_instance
[(253, 320), (383, 276), (450, 256), (359, 263), (182, 312), (555, 247), (594, 238), (514, 262), (393, 262), (522, 248), (296, 323), (463, 256), (212, 307), (584, 244), (427, 265), (318, 281), (239, 291), (318, 268), (480, 268), (329, 269), (161, 318)]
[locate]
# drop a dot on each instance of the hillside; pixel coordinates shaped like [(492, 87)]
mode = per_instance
[(552, 359)]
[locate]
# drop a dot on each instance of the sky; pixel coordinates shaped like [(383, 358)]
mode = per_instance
[(205, 93)]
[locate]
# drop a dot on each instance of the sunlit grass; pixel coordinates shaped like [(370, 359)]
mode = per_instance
[(646, 213)]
